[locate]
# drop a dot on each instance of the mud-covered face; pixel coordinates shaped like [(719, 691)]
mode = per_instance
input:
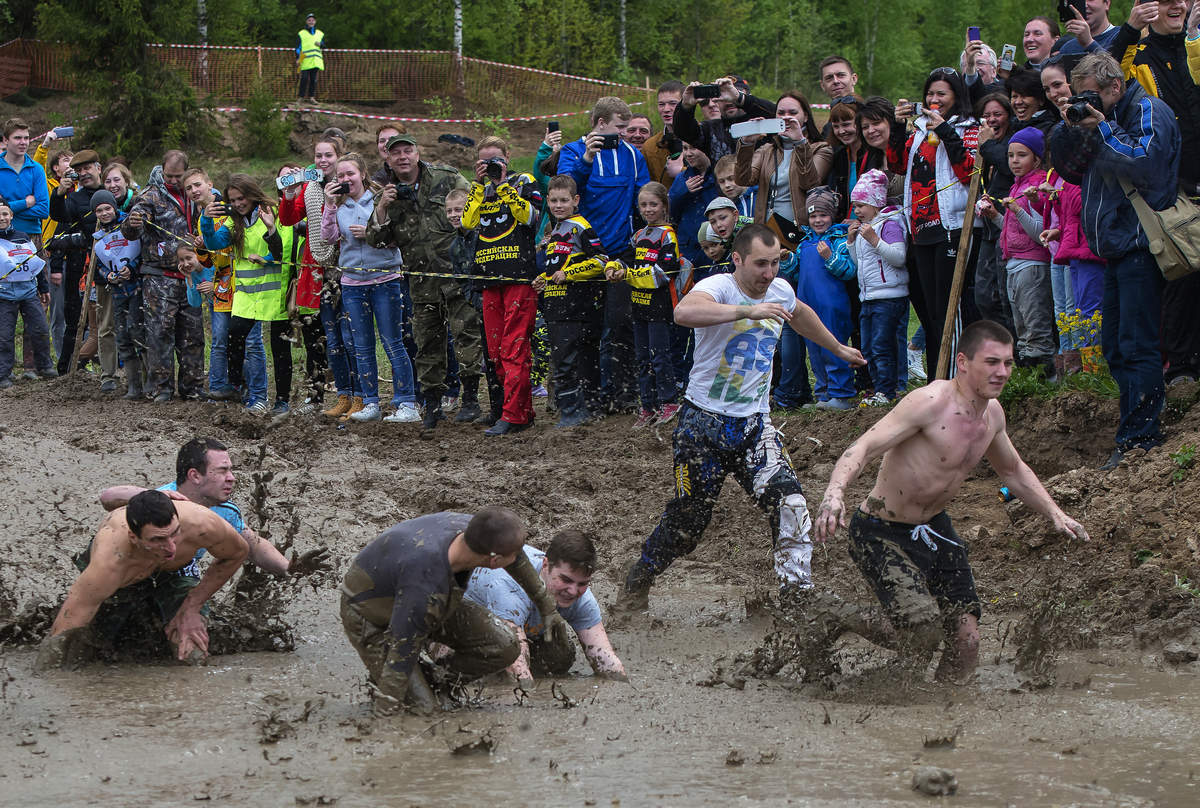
[(215, 485), (565, 583), (158, 541)]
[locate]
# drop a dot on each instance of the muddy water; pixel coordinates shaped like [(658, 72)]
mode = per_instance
[(239, 730)]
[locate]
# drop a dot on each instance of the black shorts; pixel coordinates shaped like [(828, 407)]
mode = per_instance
[(918, 576)]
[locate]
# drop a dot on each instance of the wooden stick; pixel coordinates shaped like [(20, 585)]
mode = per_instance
[(960, 274), (83, 313)]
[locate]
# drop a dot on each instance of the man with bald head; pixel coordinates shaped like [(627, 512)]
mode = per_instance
[(406, 589)]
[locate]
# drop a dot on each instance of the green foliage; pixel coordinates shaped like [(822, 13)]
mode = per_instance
[(1183, 459), (266, 130), (440, 106), (1031, 383)]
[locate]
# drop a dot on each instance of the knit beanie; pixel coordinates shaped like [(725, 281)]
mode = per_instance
[(103, 198), (823, 200), (871, 189), (1031, 138)]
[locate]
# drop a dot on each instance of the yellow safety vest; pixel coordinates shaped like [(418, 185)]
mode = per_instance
[(310, 49), (259, 289)]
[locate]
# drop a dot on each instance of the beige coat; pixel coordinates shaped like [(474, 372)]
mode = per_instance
[(756, 166)]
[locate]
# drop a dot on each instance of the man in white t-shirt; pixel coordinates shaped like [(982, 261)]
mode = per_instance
[(725, 425)]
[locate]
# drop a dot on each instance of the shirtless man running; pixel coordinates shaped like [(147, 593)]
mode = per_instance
[(132, 567), (900, 537)]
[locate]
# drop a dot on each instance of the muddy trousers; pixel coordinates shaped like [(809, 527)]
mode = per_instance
[(481, 643), (440, 306), (173, 328), (575, 359), (707, 448)]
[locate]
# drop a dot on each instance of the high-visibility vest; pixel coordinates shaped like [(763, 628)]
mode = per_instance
[(260, 289), (310, 49)]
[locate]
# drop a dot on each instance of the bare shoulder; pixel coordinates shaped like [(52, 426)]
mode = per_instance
[(925, 404), (996, 418)]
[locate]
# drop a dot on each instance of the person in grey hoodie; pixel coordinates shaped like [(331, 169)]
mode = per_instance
[(878, 240), (372, 291)]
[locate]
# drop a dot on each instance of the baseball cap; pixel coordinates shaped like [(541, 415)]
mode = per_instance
[(396, 140)]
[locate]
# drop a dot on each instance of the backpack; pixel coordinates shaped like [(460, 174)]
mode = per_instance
[(1173, 233)]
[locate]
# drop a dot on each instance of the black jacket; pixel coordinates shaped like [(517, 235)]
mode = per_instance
[(712, 137), (75, 212)]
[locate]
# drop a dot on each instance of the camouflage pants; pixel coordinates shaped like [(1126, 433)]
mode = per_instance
[(439, 303), (172, 328)]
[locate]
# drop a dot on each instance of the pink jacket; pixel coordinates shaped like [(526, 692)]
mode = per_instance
[(1073, 246), (1015, 242)]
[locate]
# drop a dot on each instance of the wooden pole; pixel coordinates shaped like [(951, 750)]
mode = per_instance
[(83, 313), (960, 274)]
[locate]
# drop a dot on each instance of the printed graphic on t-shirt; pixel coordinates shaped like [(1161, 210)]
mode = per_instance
[(743, 374)]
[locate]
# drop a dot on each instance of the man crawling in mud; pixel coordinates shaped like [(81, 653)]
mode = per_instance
[(901, 537), (566, 568), (133, 570), (405, 589)]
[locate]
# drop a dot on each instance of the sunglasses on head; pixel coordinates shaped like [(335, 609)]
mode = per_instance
[(844, 99)]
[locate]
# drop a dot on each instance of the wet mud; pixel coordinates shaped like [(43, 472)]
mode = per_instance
[(1087, 693)]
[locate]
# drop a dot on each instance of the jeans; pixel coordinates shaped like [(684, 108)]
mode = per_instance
[(339, 346), (794, 389), (379, 306), (308, 83), (254, 369), (878, 327), (656, 370), (36, 327), (1064, 301), (1132, 312)]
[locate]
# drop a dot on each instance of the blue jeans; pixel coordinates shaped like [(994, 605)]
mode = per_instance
[(1129, 327), (379, 306), (794, 389), (339, 348), (652, 344), (1064, 301), (255, 367), (878, 327)]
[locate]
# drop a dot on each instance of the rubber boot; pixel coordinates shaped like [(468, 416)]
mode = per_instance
[(571, 410), (469, 410), (133, 380), (635, 595), (356, 405), (340, 407)]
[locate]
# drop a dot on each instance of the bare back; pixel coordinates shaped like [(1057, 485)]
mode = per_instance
[(921, 474)]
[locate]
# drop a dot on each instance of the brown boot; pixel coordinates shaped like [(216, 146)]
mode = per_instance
[(356, 405), (1072, 362), (341, 407)]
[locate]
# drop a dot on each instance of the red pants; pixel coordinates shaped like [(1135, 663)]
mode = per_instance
[(508, 316)]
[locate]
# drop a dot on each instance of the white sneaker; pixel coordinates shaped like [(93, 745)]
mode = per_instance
[(449, 403), (876, 400), (258, 408), (916, 365), (369, 412), (404, 414)]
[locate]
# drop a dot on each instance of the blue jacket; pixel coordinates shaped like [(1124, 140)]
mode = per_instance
[(608, 189), (687, 211), (1139, 140), (838, 265), (15, 186)]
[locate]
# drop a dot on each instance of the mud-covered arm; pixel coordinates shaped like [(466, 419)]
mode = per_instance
[(416, 605), (599, 651), (527, 577), (118, 496), (1024, 484), (187, 629), (68, 634)]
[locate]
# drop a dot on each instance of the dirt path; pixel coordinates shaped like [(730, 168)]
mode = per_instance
[(1110, 721)]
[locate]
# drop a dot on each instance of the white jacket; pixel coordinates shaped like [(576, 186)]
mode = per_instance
[(881, 270)]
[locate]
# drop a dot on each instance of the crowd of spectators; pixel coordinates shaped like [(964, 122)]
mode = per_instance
[(462, 279)]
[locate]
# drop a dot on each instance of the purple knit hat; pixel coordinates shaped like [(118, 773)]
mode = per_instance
[(871, 189), (1031, 138)]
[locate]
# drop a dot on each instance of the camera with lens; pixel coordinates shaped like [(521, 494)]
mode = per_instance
[(405, 192), (1077, 106), (342, 188), (495, 169)]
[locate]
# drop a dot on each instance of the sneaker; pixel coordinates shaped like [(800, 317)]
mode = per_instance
[(836, 404), (1113, 461), (1179, 381), (281, 408), (876, 400), (405, 414), (369, 412), (916, 365), (310, 407), (108, 386), (226, 394), (540, 391), (162, 398), (667, 413), (6, 383), (449, 403), (645, 418), (29, 376), (49, 373), (258, 408)]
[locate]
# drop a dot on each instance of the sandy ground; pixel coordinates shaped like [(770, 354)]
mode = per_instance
[(1104, 712)]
